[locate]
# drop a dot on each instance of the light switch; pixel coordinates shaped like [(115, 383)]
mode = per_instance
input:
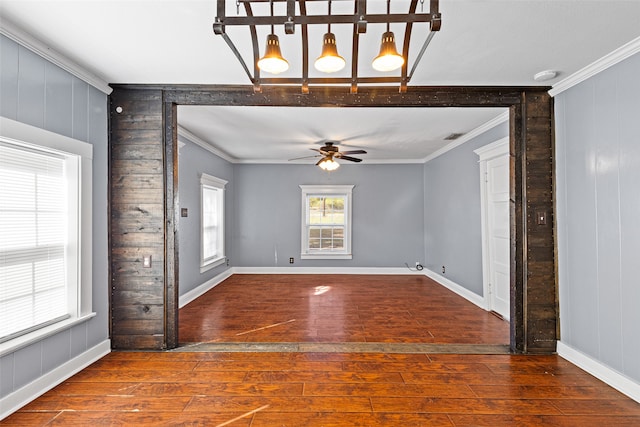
[(541, 218), (146, 261), (184, 212)]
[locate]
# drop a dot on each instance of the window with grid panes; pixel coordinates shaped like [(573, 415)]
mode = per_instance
[(326, 222)]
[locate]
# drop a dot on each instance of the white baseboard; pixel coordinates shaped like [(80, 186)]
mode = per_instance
[(324, 270), (46, 382), (604, 373), (454, 287), (203, 288), (213, 282)]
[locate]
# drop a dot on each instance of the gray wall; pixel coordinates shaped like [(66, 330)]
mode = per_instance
[(192, 161), (598, 216), (453, 234), (387, 214), (35, 92)]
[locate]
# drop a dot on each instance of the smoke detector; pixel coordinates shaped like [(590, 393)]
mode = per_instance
[(545, 75)]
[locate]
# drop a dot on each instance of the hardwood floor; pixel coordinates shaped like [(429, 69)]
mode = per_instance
[(337, 308), (367, 386), (329, 389)]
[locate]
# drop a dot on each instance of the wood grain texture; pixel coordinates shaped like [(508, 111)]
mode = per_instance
[(145, 134), (329, 389), (337, 308), (540, 296), (172, 264), (136, 212)]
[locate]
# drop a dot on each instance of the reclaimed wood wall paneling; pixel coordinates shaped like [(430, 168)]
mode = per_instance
[(144, 179), (137, 204)]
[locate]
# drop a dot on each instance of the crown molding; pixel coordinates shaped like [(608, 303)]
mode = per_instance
[(364, 162), (469, 136), (26, 40), (609, 60), (186, 135)]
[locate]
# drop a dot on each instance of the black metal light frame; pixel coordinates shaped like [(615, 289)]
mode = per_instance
[(359, 19)]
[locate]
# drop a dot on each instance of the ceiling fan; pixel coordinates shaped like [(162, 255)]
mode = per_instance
[(330, 152)]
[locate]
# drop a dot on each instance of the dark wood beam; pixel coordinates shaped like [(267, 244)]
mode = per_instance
[(143, 183), (367, 96)]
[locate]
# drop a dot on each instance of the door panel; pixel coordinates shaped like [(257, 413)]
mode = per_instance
[(498, 233)]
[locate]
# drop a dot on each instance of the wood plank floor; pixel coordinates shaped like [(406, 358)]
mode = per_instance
[(329, 389), (337, 308), (386, 379)]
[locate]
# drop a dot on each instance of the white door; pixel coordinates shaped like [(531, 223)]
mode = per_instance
[(496, 241), (498, 238)]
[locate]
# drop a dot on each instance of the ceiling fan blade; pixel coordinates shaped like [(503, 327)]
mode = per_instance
[(354, 152), (351, 159), (303, 157), (319, 150)]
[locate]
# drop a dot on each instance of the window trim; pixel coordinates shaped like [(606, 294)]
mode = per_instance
[(219, 184), (325, 190), (26, 135)]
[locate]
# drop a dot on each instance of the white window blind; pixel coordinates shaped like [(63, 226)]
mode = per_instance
[(33, 239)]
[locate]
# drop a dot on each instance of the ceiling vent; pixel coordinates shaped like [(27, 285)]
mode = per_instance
[(453, 136)]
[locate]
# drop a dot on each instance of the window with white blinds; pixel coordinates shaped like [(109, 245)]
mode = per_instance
[(35, 231), (45, 233)]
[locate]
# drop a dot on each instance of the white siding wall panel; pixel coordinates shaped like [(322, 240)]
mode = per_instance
[(598, 210), (37, 93)]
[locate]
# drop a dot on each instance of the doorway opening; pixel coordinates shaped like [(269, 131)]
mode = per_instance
[(219, 123), (151, 120)]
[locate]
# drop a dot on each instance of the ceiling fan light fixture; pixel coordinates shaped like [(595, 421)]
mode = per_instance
[(328, 164), (329, 61), (389, 59), (272, 61)]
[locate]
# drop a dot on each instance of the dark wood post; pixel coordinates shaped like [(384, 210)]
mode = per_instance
[(533, 270), (143, 194), (137, 220)]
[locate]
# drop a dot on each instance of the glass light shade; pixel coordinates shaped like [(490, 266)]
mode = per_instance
[(328, 164), (272, 61), (329, 61), (389, 59)]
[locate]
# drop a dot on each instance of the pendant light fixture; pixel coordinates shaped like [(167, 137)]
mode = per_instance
[(389, 67), (389, 59), (328, 164), (329, 61), (272, 61)]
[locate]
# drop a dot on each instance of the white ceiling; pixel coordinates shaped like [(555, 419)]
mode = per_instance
[(277, 134), (482, 42)]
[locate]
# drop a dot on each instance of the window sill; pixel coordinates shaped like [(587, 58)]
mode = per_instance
[(326, 256), (35, 336), (213, 263)]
